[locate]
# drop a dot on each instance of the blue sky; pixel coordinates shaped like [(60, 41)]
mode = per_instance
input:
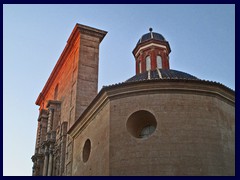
[(201, 37)]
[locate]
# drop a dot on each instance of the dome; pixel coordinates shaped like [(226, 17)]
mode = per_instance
[(161, 74), (151, 35)]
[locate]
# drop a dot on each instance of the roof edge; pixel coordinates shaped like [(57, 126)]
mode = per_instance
[(142, 44), (108, 92)]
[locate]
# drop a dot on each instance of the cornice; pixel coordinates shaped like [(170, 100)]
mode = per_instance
[(92, 31), (160, 86), (141, 48), (151, 41), (55, 102), (175, 86)]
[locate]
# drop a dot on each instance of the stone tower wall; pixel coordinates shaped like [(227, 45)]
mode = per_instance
[(70, 88)]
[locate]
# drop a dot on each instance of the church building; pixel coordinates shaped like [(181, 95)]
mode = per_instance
[(160, 122)]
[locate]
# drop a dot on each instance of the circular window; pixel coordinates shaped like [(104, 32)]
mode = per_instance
[(141, 124), (86, 150)]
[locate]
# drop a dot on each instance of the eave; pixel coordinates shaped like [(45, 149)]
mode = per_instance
[(151, 86)]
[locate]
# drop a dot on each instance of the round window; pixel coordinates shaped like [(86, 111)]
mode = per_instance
[(146, 131), (141, 124), (86, 150)]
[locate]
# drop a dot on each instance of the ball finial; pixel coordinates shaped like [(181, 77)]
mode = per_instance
[(150, 29)]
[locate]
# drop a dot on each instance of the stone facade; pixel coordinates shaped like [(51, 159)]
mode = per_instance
[(70, 88), (159, 123), (96, 129)]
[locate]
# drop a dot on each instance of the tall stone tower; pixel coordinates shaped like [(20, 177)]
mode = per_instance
[(70, 88)]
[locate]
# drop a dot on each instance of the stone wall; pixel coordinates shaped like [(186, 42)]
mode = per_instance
[(96, 129), (194, 136), (87, 77), (73, 85)]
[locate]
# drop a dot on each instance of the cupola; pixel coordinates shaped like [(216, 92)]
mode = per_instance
[(151, 52)]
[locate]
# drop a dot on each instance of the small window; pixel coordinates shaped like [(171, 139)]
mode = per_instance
[(148, 63), (86, 150), (159, 62), (141, 124), (139, 67)]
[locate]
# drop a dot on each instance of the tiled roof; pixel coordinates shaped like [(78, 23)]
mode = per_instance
[(151, 35), (162, 74)]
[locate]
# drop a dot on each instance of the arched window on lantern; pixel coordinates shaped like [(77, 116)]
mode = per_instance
[(159, 62), (148, 63)]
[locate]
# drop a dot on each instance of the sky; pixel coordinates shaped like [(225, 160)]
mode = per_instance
[(201, 37)]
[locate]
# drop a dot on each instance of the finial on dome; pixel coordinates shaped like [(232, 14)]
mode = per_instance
[(150, 29)]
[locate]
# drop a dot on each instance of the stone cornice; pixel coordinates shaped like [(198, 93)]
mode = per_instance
[(55, 102), (151, 41), (151, 87), (71, 40), (43, 114), (174, 86), (37, 155), (140, 49), (180, 84), (92, 31)]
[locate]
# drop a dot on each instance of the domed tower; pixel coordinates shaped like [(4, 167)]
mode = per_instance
[(151, 52), (152, 59), (160, 122)]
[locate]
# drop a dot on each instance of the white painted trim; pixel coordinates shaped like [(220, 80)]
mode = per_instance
[(151, 35), (159, 73), (151, 44), (149, 75)]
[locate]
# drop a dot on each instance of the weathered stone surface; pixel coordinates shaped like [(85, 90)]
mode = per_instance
[(194, 136), (70, 88), (97, 131), (185, 127), (194, 133)]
